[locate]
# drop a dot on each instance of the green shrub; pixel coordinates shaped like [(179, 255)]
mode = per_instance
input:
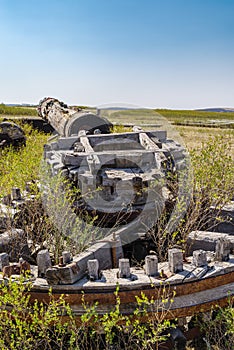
[(34, 325), (19, 166), (218, 327)]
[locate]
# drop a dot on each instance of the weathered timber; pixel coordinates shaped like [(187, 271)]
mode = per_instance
[(77, 269), (190, 297), (225, 219), (206, 240), (68, 121)]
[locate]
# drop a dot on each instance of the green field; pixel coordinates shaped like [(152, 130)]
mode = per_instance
[(213, 174), (6, 111), (142, 115), (148, 116), (188, 115), (195, 127)]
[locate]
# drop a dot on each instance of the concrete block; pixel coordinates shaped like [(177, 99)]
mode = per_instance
[(222, 249), (66, 257), (4, 260), (199, 258), (93, 268), (102, 252), (151, 265), (124, 268), (206, 240), (175, 259), (43, 262)]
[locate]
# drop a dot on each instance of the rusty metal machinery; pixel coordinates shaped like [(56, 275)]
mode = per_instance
[(123, 180), (68, 121), (127, 174)]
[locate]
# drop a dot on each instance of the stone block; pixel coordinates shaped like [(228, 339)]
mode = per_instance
[(151, 265), (222, 249), (4, 260), (43, 262), (66, 257), (93, 268), (206, 240), (124, 268), (199, 258), (16, 194), (68, 274), (77, 269), (175, 259)]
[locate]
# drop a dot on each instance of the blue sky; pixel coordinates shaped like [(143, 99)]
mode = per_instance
[(154, 53)]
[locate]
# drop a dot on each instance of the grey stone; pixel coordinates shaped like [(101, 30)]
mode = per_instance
[(175, 259), (66, 257), (124, 268), (206, 240), (12, 242), (151, 265), (43, 262), (77, 269), (15, 193), (225, 219), (93, 268), (199, 258), (6, 200), (222, 249), (4, 260)]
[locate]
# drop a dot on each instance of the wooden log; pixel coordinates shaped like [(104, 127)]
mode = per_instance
[(77, 269)]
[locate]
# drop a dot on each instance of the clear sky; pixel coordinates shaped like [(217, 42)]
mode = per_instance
[(155, 53)]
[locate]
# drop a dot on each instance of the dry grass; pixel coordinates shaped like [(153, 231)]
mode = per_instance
[(195, 137)]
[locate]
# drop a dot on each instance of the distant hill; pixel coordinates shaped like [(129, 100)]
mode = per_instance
[(228, 110)]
